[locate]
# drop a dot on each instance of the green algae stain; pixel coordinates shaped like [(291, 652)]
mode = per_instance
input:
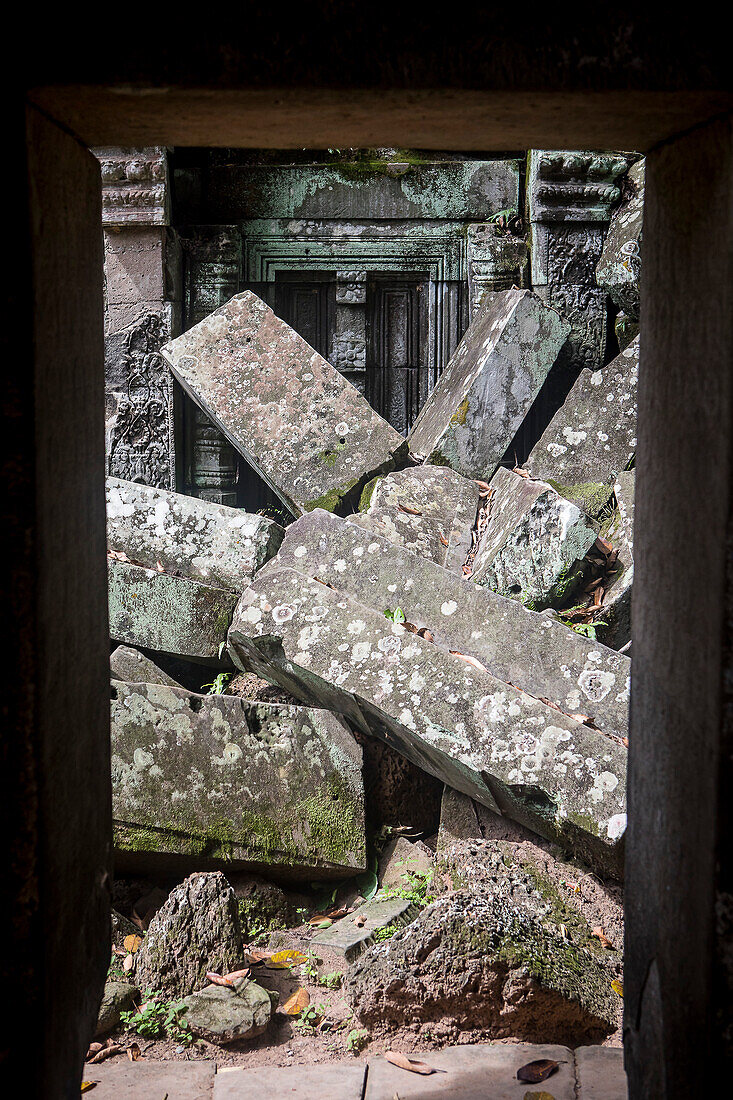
[(459, 416)]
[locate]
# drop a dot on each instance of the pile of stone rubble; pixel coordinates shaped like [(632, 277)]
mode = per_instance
[(473, 617)]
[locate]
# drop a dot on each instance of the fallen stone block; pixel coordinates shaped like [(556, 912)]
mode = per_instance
[(197, 929), (215, 776), (449, 715), (172, 614), (619, 267), (264, 905), (616, 609), (533, 652), (354, 933), (403, 862), (302, 426), (430, 510), (118, 997), (188, 537), (533, 542), (133, 667), (221, 1015), (491, 963), (592, 438), (483, 395)]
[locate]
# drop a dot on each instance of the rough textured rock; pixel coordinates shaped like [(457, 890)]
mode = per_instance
[(401, 860), (306, 430), (264, 906), (196, 930), (492, 962), (189, 537), (616, 611), (133, 667), (429, 510), (396, 791), (574, 672), (619, 267), (172, 614), (592, 438), (482, 396), (349, 939), (249, 686), (477, 733), (117, 997), (122, 927), (216, 776), (222, 1015), (533, 543)]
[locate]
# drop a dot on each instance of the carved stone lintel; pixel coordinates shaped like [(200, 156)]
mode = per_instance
[(134, 186), (351, 288), (573, 185)]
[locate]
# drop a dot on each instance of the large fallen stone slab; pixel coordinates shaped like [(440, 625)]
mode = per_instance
[(616, 609), (592, 438), (217, 777), (430, 510), (133, 667), (188, 537), (533, 542), (176, 615), (480, 735), (533, 652), (495, 961), (619, 267), (483, 395), (303, 427)]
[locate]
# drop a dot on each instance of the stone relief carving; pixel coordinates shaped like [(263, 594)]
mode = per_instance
[(134, 186)]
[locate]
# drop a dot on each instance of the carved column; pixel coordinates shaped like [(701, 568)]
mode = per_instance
[(496, 261), (348, 351), (142, 312)]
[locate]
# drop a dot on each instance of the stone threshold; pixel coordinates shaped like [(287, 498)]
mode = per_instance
[(473, 1072)]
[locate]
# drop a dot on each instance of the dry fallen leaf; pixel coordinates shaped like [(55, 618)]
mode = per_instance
[(107, 1052), (295, 1004), (283, 960), (218, 979), (428, 635), (128, 963), (537, 1071), (94, 1048), (132, 943), (442, 538), (617, 987), (522, 473), (256, 956), (538, 1096), (87, 1085), (409, 511), (336, 914), (401, 1060), (604, 940), (469, 660), (133, 1052), (234, 975)]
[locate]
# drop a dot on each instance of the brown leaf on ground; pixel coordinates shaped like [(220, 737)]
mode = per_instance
[(87, 1085), (128, 963), (337, 914), (256, 956), (625, 741), (133, 1052), (604, 940), (106, 1052), (469, 660), (537, 1071), (94, 1048), (401, 1060), (119, 951), (409, 511), (132, 943), (235, 975), (484, 485), (442, 538), (218, 979), (428, 635), (295, 1004)]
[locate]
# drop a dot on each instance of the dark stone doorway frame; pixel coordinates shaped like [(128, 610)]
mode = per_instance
[(56, 777)]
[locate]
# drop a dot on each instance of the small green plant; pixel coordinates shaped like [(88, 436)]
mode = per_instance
[(588, 630), (356, 1040), (396, 616), (386, 933), (310, 1018), (156, 1018), (309, 969), (332, 980), (219, 684), (416, 889)]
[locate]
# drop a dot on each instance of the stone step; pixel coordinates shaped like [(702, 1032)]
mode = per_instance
[(349, 939)]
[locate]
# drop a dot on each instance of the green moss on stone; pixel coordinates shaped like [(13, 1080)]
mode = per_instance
[(367, 493), (590, 496)]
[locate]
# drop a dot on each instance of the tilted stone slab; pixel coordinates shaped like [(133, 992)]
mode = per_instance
[(534, 652), (190, 537), (430, 510), (616, 611), (348, 938), (533, 541), (619, 267), (172, 614), (483, 395), (214, 776), (478, 734), (133, 667), (592, 438), (306, 430)]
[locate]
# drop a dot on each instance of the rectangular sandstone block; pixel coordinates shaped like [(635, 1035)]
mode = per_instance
[(334, 1081), (216, 776), (176, 615), (349, 939), (619, 267), (534, 652), (306, 430), (483, 395), (456, 721), (189, 537), (430, 510), (133, 667), (532, 542)]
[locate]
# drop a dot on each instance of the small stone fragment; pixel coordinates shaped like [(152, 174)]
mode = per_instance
[(222, 1015), (619, 267), (306, 430), (265, 906), (616, 610), (117, 997), (354, 933), (430, 510), (403, 863), (133, 667), (533, 543), (482, 396)]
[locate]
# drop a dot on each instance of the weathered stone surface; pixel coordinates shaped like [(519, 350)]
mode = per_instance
[(600, 1073), (619, 267), (430, 510), (196, 930), (133, 667), (192, 538), (120, 1079), (534, 652), (172, 614), (396, 791), (290, 414), (490, 962), (253, 783), (263, 905), (121, 927), (460, 819), (222, 1015), (533, 542), (459, 722), (592, 438), (401, 861), (332, 1081), (616, 612), (117, 998), (349, 939), (487, 388)]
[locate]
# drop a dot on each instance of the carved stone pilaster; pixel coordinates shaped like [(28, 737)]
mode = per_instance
[(348, 347), (496, 261), (134, 186)]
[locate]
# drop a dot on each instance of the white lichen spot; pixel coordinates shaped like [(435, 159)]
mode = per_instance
[(616, 826), (232, 751), (448, 608), (252, 614), (356, 626), (596, 378), (596, 684), (556, 449), (574, 438), (282, 613), (603, 784), (300, 552), (340, 565), (360, 651), (142, 758)]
